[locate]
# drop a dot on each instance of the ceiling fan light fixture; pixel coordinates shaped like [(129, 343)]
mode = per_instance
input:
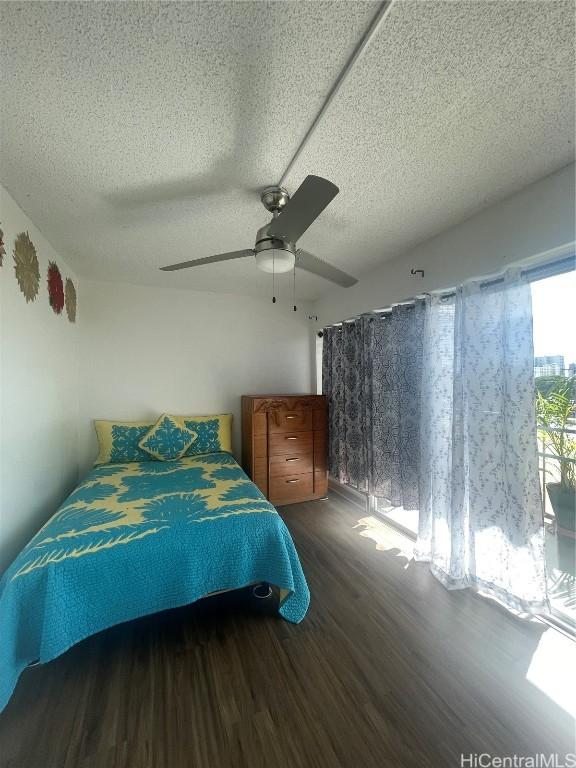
[(276, 260)]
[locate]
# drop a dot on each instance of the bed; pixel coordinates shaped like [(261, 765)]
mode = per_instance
[(137, 538)]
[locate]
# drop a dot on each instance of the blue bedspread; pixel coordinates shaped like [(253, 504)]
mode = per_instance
[(137, 538)]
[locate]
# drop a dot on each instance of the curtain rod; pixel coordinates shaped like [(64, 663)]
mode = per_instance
[(539, 272)]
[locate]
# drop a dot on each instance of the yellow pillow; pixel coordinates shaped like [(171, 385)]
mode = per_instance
[(168, 439), (118, 440), (214, 433)]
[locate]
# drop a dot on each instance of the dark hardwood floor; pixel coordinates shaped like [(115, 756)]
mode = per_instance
[(387, 669)]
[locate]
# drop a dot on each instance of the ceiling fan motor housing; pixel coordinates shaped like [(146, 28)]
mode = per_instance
[(274, 199), (272, 253)]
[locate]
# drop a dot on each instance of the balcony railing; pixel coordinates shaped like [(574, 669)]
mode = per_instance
[(560, 550), (549, 466)]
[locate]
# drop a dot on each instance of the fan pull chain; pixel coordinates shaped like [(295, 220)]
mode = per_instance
[(294, 287), (273, 268)]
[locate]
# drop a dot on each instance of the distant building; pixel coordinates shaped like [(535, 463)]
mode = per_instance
[(549, 365), (572, 369)]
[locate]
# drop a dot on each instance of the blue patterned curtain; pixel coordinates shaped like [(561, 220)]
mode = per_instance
[(343, 383), (396, 380), (333, 388), (371, 374), (481, 522)]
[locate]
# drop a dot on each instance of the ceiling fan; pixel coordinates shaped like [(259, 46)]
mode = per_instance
[(275, 248)]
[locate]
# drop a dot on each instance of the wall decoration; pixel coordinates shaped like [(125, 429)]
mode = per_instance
[(70, 292), (2, 249), (26, 266), (55, 288)]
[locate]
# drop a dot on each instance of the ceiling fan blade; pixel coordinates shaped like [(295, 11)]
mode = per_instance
[(310, 263), (307, 203), (209, 260)]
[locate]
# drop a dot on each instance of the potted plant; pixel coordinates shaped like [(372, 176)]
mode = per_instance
[(556, 411)]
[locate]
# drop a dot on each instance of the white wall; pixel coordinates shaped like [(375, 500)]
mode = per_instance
[(147, 350), (136, 351), (133, 352), (539, 218), (38, 393)]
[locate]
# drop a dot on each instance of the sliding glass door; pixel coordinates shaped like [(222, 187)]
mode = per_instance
[(555, 379), (405, 519), (397, 406)]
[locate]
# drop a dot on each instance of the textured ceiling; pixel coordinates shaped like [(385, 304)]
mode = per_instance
[(139, 134)]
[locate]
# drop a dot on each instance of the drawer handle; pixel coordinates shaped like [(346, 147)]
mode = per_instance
[(296, 459), (293, 481), (290, 417), (291, 438)]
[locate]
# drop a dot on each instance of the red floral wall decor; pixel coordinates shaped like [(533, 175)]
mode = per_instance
[(55, 288)]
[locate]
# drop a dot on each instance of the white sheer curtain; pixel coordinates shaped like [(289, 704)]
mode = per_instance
[(481, 522)]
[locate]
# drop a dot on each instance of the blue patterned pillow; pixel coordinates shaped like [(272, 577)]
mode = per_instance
[(168, 439), (124, 443), (208, 436)]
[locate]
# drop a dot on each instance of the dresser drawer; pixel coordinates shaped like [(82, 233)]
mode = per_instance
[(295, 463), (295, 442), (290, 421), (284, 489)]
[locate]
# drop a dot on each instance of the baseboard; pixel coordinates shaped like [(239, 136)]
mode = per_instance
[(348, 493)]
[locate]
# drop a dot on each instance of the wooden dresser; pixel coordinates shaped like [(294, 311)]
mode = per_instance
[(284, 446)]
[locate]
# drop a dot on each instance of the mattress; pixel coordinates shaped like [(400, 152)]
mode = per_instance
[(133, 539)]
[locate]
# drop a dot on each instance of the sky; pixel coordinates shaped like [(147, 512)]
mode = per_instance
[(554, 316)]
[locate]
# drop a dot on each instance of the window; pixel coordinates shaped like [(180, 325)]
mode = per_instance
[(555, 378)]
